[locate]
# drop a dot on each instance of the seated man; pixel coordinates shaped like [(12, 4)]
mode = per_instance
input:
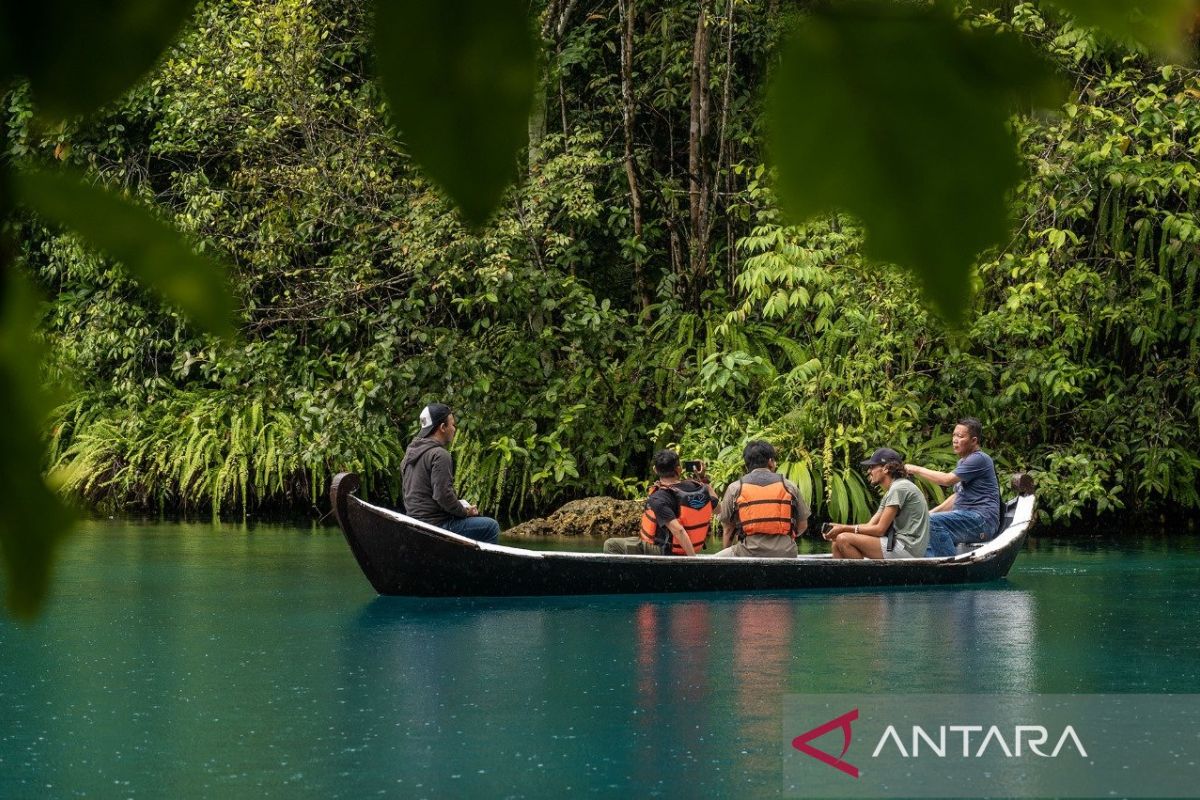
[(763, 509), (902, 521), (677, 516), (972, 511), (427, 471)]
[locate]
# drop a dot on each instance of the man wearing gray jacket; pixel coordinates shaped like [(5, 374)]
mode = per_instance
[(427, 473)]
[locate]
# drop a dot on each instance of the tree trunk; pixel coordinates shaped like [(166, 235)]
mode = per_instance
[(537, 123), (723, 151), (626, 8), (699, 180), (558, 15), (562, 94)]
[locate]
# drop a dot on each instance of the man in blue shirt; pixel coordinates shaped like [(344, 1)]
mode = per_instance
[(972, 511)]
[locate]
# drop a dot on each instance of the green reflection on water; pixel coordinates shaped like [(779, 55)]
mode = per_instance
[(194, 661)]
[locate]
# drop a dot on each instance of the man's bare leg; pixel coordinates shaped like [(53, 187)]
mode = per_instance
[(857, 545)]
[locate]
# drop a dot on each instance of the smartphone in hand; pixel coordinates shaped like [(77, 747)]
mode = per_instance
[(693, 466)]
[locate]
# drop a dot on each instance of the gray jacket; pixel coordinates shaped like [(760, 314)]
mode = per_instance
[(427, 473)]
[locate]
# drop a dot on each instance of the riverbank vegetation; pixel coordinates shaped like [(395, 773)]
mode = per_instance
[(639, 286)]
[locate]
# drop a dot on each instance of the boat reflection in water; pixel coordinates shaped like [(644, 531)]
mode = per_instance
[(673, 687), (652, 693)]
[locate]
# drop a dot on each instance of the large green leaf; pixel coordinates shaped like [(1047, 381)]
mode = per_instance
[(899, 116), (459, 78), (79, 54), (1163, 25), (153, 252), (6, 66), (32, 520)]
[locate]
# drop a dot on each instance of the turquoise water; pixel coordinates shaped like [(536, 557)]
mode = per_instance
[(193, 661)]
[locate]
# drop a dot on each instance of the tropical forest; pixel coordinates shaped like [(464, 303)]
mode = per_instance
[(606, 398), (691, 252)]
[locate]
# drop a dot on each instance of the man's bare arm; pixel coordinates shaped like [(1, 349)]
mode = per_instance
[(681, 536), (946, 479), (728, 532), (877, 526)]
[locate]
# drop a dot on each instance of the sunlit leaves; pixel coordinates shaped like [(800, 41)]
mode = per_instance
[(898, 116), (153, 252), (32, 520), (80, 54), (1159, 24), (459, 78)]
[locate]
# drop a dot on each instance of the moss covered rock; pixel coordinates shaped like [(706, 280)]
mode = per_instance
[(591, 516)]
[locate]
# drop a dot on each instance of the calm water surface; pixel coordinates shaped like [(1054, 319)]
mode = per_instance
[(199, 661)]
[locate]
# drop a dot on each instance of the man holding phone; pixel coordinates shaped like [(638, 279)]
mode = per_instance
[(677, 515)]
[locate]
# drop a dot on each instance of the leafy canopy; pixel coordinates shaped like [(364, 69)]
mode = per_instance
[(891, 113)]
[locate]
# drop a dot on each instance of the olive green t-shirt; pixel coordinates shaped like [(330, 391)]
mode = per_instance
[(912, 518)]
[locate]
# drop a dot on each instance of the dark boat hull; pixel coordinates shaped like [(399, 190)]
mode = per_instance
[(401, 556)]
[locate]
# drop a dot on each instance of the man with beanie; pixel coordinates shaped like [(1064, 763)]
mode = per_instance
[(427, 474)]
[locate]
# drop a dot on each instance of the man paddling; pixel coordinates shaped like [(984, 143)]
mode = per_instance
[(427, 474), (972, 511)]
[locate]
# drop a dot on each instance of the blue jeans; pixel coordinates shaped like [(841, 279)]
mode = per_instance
[(481, 529), (948, 529)]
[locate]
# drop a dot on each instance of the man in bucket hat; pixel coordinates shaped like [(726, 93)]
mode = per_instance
[(428, 474)]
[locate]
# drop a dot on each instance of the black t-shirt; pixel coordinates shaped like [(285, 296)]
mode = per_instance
[(665, 505)]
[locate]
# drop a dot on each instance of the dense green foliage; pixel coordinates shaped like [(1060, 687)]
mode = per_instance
[(638, 288)]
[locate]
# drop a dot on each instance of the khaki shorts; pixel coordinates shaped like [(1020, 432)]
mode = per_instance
[(896, 553), (761, 546), (630, 546)]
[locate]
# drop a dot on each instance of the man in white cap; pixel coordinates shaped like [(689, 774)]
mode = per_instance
[(428, 477)]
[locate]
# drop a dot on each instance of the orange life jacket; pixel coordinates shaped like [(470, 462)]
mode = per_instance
[(695, 515), (764, 509)]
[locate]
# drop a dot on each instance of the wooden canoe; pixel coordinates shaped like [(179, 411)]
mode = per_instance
[(404, 556)]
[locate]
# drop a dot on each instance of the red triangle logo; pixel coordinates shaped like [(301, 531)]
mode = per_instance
[(801, 743)]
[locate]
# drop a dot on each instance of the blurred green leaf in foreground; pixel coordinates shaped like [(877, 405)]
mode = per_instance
[(155, 254), (32, 518), (898, 116), (1161, 25), (77, 56), (81, 54), (459, 78)]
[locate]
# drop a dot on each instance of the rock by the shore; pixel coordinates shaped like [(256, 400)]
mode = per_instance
[(591, 516)]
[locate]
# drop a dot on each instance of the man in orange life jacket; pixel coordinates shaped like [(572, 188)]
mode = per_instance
[(763, 510), (677, 516)]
